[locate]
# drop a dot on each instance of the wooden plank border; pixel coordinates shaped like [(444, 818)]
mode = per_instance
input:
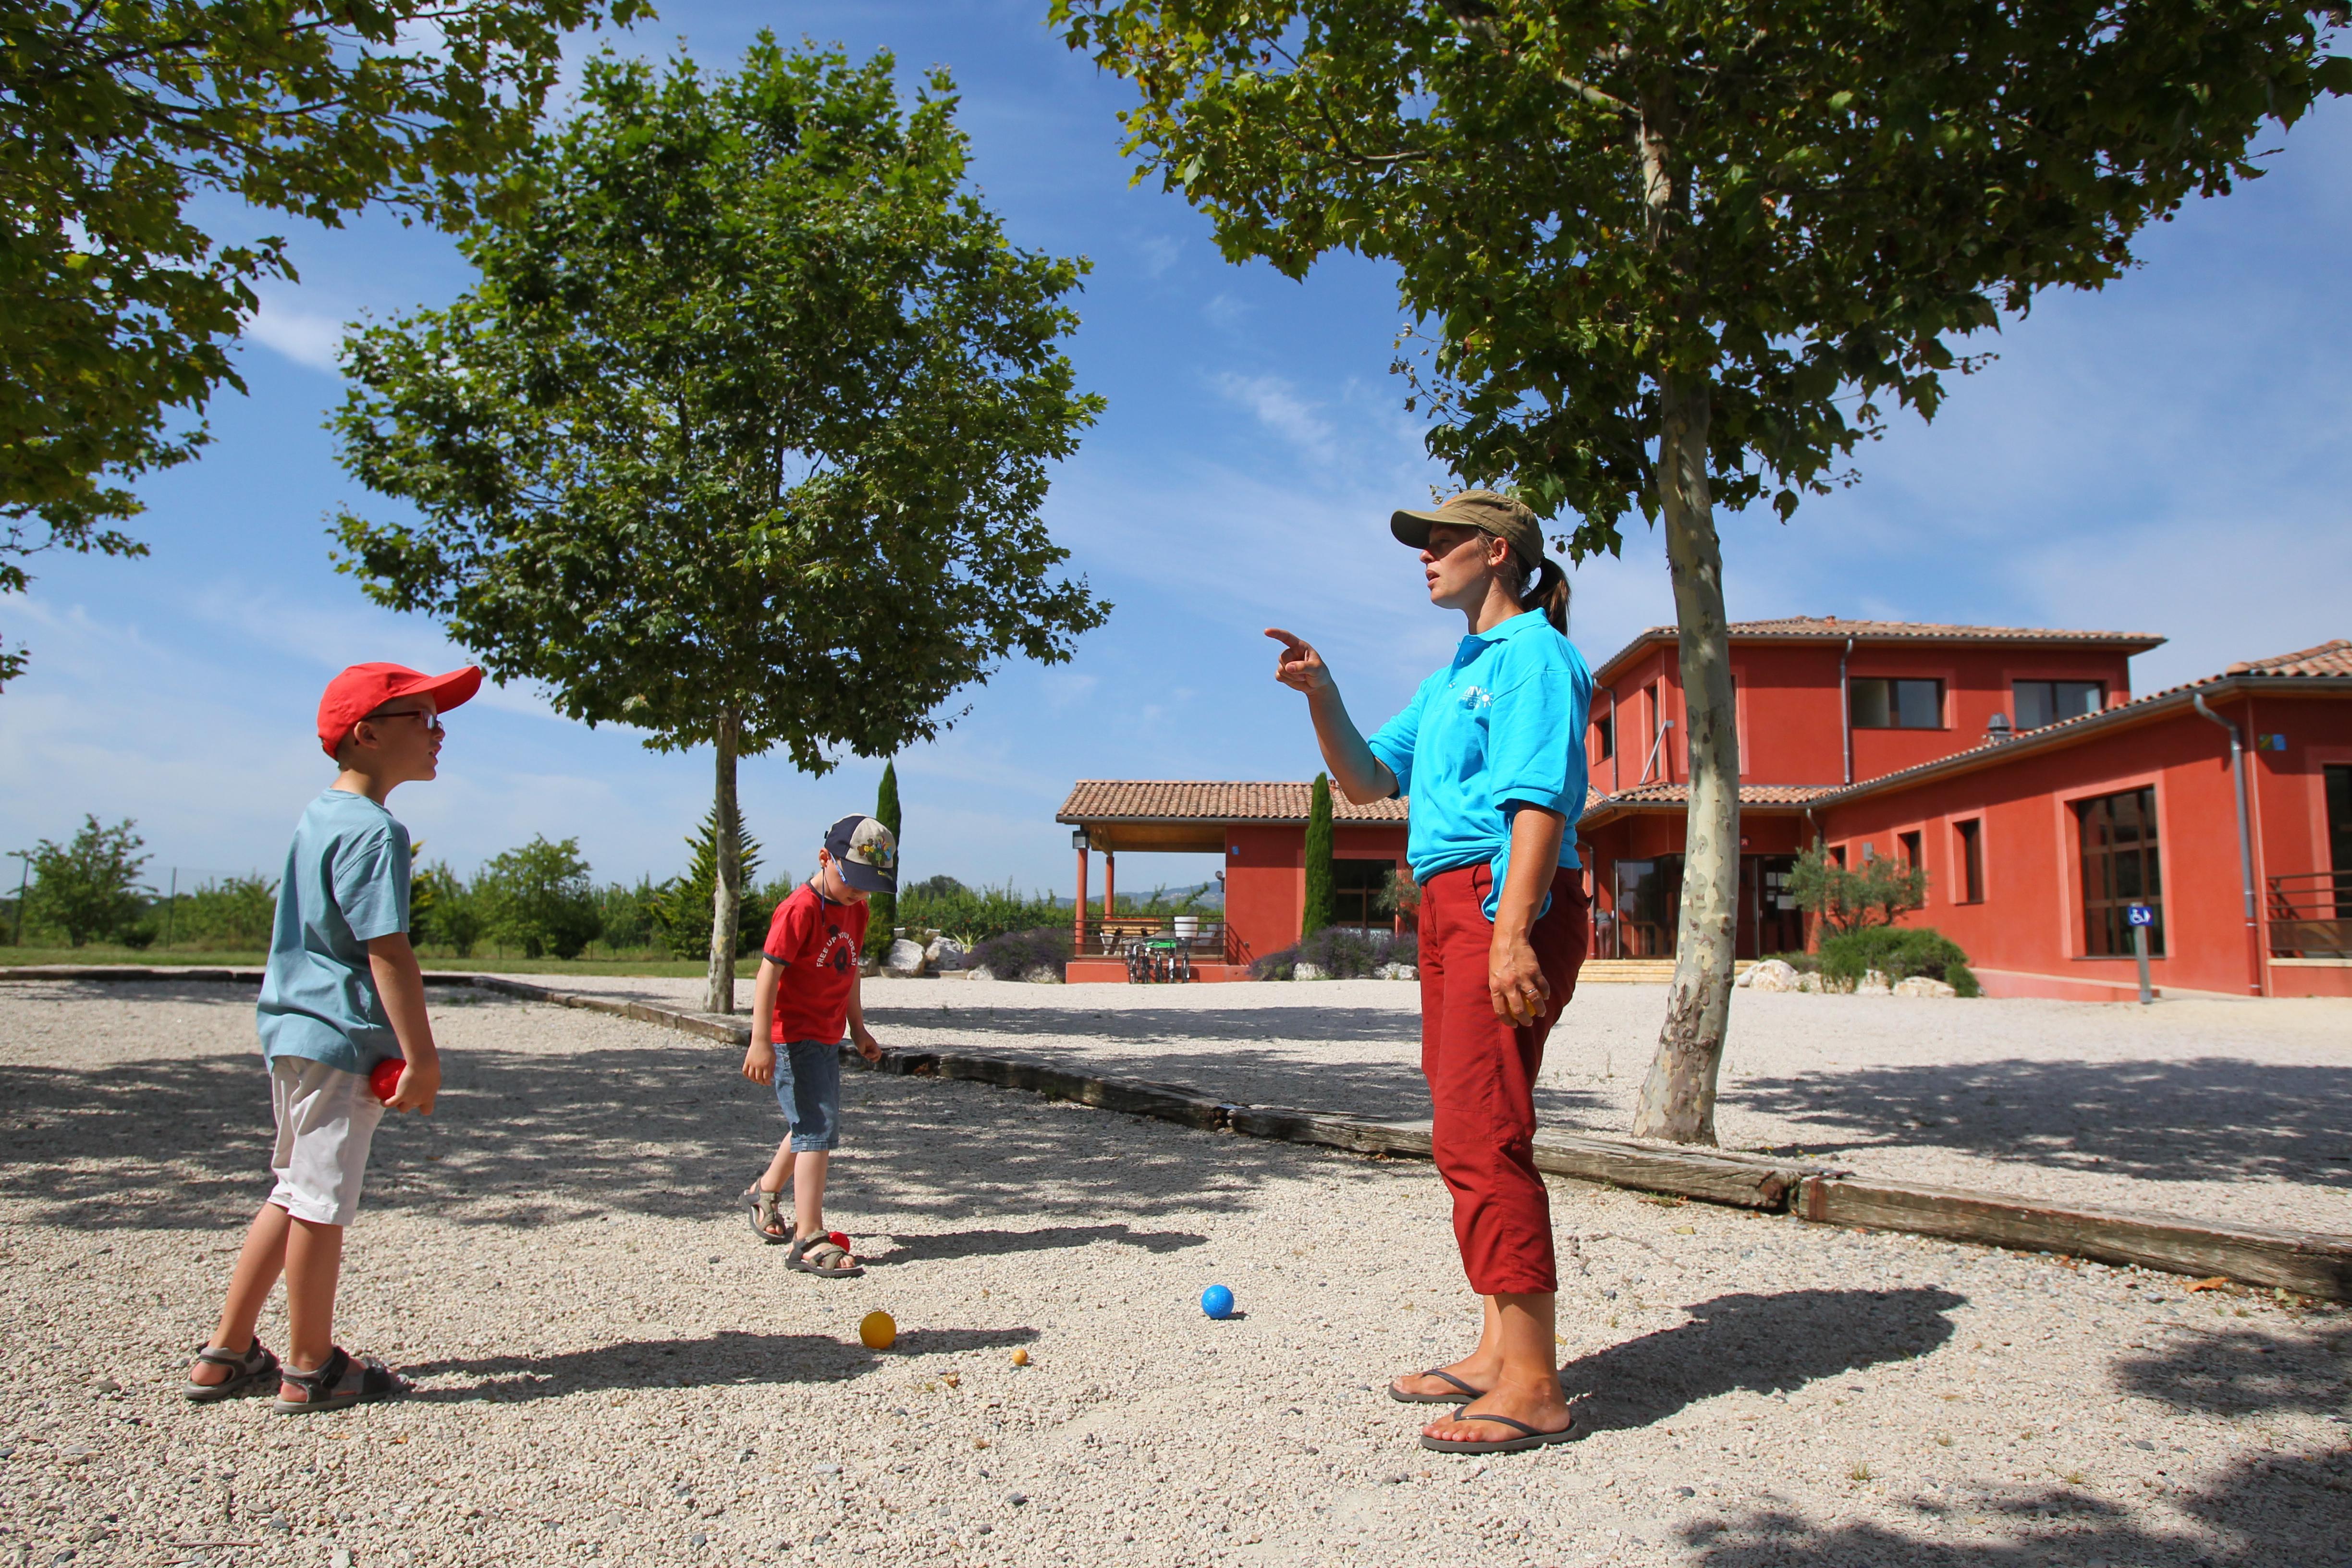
[(2310, 1263)]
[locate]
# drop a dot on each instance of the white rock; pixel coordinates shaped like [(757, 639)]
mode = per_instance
[(1396, 971), (1772, 975), (981, 972), (1874, 983), (1809, 982), (945, 952), (903, 959), (1306, 972), (1922, 985), (1042, 975)]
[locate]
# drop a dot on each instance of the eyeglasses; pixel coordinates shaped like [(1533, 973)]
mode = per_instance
[(432, 719)]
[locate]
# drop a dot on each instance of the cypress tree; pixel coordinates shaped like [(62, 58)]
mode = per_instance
[(885, 906), (1317, 912)]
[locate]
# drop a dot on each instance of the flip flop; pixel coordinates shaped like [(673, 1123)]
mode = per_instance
[(1404, 1398), (1533, 1438)]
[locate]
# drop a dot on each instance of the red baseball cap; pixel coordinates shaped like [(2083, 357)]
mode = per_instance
[(364, 688)]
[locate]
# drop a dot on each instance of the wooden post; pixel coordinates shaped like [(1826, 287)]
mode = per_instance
[(1078, 914)]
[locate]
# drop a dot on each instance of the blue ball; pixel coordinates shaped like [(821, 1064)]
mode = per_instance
[(1217, 1301)]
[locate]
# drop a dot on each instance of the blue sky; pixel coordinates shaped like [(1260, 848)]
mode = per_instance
[(2167, 456)]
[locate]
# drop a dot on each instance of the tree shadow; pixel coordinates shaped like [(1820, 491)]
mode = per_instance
[(658, 1125), (1763, 1344), (2264, 1511), (723, 1358), (2206, 1118), (2240, 1372)]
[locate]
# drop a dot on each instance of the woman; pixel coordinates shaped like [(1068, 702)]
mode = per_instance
[(1491, 751)]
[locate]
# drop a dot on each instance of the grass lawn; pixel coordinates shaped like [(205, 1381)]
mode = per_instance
[(484, 959)]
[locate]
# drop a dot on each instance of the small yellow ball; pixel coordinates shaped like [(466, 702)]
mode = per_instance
[(876, 1331), (1020, 1358)]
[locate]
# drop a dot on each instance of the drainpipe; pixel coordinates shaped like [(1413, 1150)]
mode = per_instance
[(1651, 761), (1616, 744), (2245, 845), (1846, 710)]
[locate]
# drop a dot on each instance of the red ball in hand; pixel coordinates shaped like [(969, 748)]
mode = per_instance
[(384, 1077)]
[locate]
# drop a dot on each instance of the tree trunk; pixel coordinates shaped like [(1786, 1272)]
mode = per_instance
[(727, 887), (1678, 1099)]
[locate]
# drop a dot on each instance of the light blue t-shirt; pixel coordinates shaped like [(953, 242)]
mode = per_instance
[(1502, 725), (346, 883)]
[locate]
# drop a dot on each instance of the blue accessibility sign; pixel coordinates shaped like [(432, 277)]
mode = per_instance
[(2141, 915)]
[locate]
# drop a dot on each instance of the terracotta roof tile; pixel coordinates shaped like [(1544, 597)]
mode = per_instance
[(2334, 658), (1749, 795), (1831, 628), (1189, 800)]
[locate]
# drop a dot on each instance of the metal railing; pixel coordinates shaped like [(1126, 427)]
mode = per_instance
[(2311, 915)]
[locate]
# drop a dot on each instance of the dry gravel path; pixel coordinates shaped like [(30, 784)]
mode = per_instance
[(613, 1369), (2229, 1110)]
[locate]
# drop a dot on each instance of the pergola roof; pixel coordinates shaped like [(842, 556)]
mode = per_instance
[(1192, 814)]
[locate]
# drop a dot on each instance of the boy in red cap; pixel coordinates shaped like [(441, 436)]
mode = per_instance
[(343, 993)]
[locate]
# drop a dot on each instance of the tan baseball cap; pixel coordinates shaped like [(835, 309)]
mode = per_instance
[(1488, 512)]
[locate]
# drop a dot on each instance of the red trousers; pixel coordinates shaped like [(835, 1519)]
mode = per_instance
[(1482, 1073)]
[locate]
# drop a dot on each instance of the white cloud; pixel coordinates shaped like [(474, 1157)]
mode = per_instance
[(303, 336), (1277, 405)]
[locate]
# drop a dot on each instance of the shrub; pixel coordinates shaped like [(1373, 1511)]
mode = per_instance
[(90, 887), (1405, 949), (1849, 901), (235, 912), (1340, 953), (1962, 979), (1011, 954), (1895, 952), (681, 906), (539, 898), (972, 915)]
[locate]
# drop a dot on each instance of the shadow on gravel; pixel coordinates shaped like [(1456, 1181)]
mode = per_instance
[(667, 1129), (2208, 1119), (722, 1360), (2265, 1512), (923, 1248), (2240, 1373), (1765, 1344), (1174, 1025)]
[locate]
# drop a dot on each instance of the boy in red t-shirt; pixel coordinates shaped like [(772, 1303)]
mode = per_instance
[(807, 989)]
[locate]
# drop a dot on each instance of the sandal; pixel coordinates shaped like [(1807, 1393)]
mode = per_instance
[(821, 1255), (342, 1381), (244, 1371), (1531, 1439), (764, 1214)]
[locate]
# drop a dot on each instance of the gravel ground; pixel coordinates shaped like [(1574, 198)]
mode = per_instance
[(2234, 1110), (612, 1368)]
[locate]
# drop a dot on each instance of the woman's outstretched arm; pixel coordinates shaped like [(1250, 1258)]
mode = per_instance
[(1361, 777)]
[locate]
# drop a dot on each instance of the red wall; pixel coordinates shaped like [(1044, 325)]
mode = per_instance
[(1265, 875), (1791, 726), (2026, 937)]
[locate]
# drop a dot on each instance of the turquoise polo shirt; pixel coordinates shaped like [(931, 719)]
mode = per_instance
[(346, 884), (1501, 726)]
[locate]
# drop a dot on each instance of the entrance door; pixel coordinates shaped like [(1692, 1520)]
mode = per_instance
[(1649, 904), (2339, 834), (1770, 920)]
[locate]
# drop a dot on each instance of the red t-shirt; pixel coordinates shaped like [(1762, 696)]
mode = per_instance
[(817, 942)]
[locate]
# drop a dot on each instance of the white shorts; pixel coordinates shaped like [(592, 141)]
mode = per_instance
[(326, 1119)]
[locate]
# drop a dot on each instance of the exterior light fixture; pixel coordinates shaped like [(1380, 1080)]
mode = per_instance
[(1078, 840)]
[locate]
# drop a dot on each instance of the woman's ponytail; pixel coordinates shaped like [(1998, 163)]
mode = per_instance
[(1548, 593)]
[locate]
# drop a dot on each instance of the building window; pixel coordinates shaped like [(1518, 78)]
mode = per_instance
[(1357, 887), (1880, 704), (1970, 835), (1604, 735), (1910, 843), (2119, 869), (2041, 702)]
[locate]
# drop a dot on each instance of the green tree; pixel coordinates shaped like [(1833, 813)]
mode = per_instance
[(1317, 911), (88, 886), (117, 123), (444, 910), (741, 437), (1663, 256), (1848, 899), (884, 914), (539, 898), (681, 907)]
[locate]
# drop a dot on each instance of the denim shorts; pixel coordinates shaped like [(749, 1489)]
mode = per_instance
[(808, 1087)]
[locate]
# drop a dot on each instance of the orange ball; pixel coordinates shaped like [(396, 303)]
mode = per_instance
[(877, 1331)]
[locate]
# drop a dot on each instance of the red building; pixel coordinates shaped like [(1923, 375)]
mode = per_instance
[(2015, 766)]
